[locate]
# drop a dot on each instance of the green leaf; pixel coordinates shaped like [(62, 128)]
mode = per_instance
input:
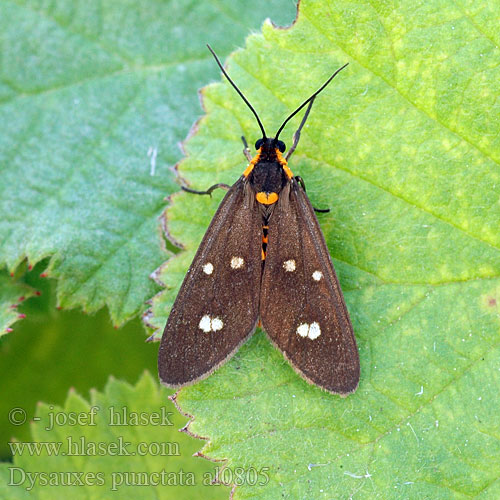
[(71, 350), (404, 148), (110, 456), (12, 293), (95, 98)]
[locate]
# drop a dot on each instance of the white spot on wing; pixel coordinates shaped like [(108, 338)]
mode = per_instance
[(208, 324), (289, 265), (208, 268), (237, 262), (303, 330), (217, 324), (205, 323), (313, 331), (317, 275)]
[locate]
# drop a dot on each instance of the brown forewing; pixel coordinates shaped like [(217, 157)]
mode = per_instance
[(229, 293), (293, 298)]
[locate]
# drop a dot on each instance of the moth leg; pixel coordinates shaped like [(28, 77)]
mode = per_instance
[(208, 191), (321, 210), (246, 149), (299, 179), (296, 136)]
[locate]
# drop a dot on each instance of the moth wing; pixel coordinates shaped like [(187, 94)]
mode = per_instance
[(302, 307), (217, 306)]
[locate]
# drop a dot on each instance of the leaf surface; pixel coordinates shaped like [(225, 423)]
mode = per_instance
[(94, 98), (12, 294), (404, 148), (123, 443)]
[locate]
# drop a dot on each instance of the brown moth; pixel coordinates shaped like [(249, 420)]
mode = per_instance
[(263, 258)]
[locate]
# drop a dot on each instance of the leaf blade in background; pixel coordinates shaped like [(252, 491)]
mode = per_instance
[(87, 348), (404, 149), (12, 293), (104, 445), (96, 98)]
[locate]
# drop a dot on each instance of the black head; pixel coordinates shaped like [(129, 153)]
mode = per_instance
[(270, 143)]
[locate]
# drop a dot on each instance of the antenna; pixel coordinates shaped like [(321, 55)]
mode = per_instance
[(239, 92), (308, 100)]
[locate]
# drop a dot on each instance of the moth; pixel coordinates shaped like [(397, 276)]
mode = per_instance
[(263, 258)]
